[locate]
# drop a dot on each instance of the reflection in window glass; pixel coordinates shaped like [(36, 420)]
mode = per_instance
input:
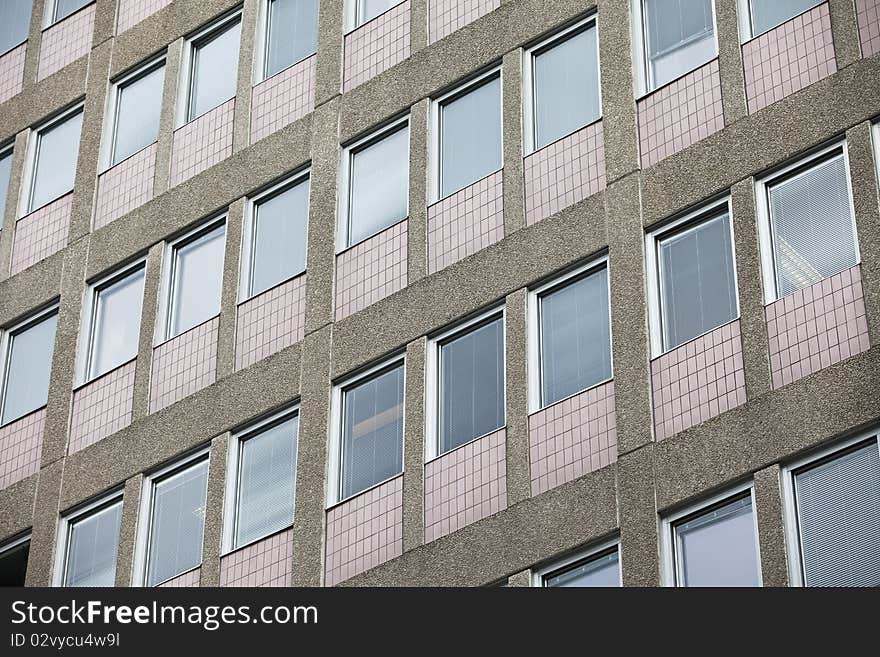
[(197, 280), (292, 33), (599, 571), (15, 23), (117, 323), (91, 548), (28, 364), (64, 8), (137, 114), (367, 10), (214, 70), (55, 162), (279, 241), (679, 37), (767, 14)]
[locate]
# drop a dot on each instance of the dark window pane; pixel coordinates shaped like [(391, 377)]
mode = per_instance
[(13, 565)]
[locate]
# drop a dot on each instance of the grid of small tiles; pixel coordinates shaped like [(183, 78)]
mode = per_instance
[(41, 233), (66, 41), (202, 143), (465, 485), (20, 444), (376, 46), (680, 114), (447, 16), (364, 531), (788, 58), (465, 222), (270, 322), (564, 172), (126, 186), (102, 407), (189, 579), (572, 437), (868, 14), (283, 98), (264, 563), (698, 380), (184, 365), (371, 270), (132, 12), (817, 326), (12, 72)]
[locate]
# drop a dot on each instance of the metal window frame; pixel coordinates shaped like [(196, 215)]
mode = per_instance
[(538, 576), (66, 520)]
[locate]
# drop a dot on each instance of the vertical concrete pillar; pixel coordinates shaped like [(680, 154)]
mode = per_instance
[(514, 185), (131, 506), (229, 303), (730, 61), (213, 536), (168, 116), (41, 559), (516, 398), (771, 527), (417, 225), (331, 14), (414, 446), (241, 131), (845, 32), (16, 175), (639, 546), (149, 312)]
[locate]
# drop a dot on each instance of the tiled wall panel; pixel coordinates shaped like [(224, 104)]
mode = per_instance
[(264, 563), (189, 579), (126, 186), (66, 41), (21, 442), (101, 407), (364, 531), (447, 16), (12, 72), (572, 437), (41, 233), (376, 46), (817, 326), (283, 98), (202, 143), (184, 365), (371, 270), (270, 322), (868, 14), (132, 12)]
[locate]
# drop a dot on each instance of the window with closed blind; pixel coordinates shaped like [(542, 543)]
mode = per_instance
[(88, 541)]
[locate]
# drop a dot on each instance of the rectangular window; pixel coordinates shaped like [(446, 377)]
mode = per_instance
[(291, 33), (54, 161), (88, 540), (61, 9), (27, 365), (137, 104), (15, 23), (367, 10), (600, 567), (5, 172), (14, 560), (764, 15), (562, 77), (469, 134), (213, 73)]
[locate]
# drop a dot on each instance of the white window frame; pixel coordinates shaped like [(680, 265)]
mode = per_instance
[(246, 275), (261, 53), (762, 201), (586, 555), (432, 376), (789, 497), (350, 17), (233, 468), (434, 141), (744, 12), (682, 224), (557, 38), (144, 528), (343, 207), (337, 411), (50, 11), (669, 561), (62, 542), (533, 310)]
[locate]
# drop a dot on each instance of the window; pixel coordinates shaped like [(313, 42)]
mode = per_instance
[(213, 68), (15, 23), (600, 567), (14, 560), (5, 172), (714, 545), (291, 33), (137, 101), (28, 362), (376, 176), (833, 515), (88, 540), (571, 342), (367, 10), (54, 160), (61, 9), (807, 224), (263, 472), (562, 77), (469, 133), (692, 277), (764, 15)]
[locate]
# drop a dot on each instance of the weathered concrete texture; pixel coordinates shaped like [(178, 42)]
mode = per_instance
[(17, 506), (32, 288), (639, 551), (414, 446), (228, 306), (516, 397), (131, 505), (771, 535), (329, 64), (512, 131), (250, 17), (149, 311), (417, 225), (845, 31), (7, 233), (33, 105), (213, 536), (167, 116), (523, 578), (730, 60), (41, 557)]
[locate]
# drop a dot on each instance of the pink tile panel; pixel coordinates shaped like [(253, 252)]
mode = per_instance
[(270, 322), (189, 579), (364, 531), (371, 270), (465, 485), (12, 72), (868, 14), (184, 365), (564, 172), (132, 12), (376, 46), (41, 233), (101, 407), (788, 58), (202, 143), (680, 114), (447, 16), (282, 99), (126, 186), (66, 41), (465, 222), (21, 442), (817, 326), (264, 563), (698, 380), (572, 437)]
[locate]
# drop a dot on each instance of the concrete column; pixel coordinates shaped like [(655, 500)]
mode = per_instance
[(414, 446), (229, 303), (516, 398), (250, 17), (131, 506), (105, 21), (514, 185), (213, 536), (16, 174), (331, 14), (771, 527), (167, 117), (417, 225), (845, 31), (523, 578), (418, 25), (34, 45), (639, 551), (730, 61), (41, 559), (149, 311)]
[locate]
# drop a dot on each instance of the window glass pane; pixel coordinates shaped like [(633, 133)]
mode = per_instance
[(15, 19), (367, 10), (215, 71), (767, 14), (28, 367), (55, 164), (601, 571), (293, 33), (566, 87), (91, 548), (472, 385), (718, 548), (198, 279), (137, 118), (575, 337), (697, 288), (5, 169), (267, 482), (280, 231), (177, 523), (117, 324), (812, 226), (679, 37), (13, 565), (372, 432), (64, 8), (470, 137), (379, 186)]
